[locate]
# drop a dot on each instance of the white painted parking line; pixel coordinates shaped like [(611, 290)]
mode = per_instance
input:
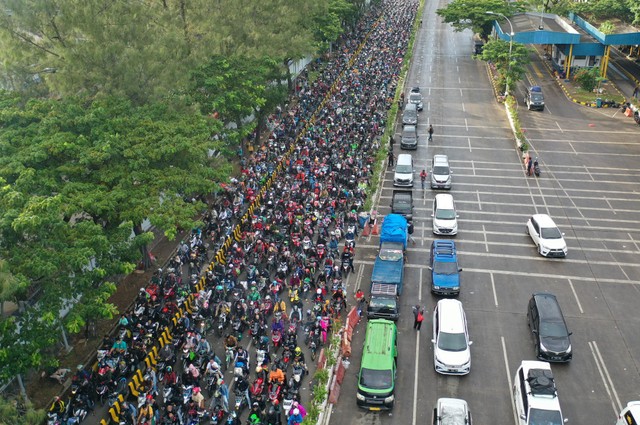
[(415, 379), (610, 206), (575, 295), (560, 128), (508, 369), (420, 287), (493, 287), (525, 274), (606, 378), (359, 277)]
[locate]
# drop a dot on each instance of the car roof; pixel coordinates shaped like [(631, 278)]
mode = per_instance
[(440, 159), (444, 250), (444, 200), (451, 315), (543, 396), (453, 411), (544, 220), (548, 306)]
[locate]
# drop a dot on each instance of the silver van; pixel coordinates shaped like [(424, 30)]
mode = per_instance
[(440, 172), (403, 175), (409, 137), (410, 114)]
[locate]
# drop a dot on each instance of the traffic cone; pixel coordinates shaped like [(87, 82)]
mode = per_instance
[(375, 230)]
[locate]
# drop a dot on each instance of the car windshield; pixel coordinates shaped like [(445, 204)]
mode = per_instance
[(553, 329), (382, 303), (387, 254), (415, 98), (440, 170), (376, 379), (550, 233), (544, 417), (536, 97), (442, 214), (452, 342), (440, 267), (404, 169)]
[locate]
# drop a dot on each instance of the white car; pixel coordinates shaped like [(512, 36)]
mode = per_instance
[(451, 411), (445, 217), (546, 235), (451, 353), (535, 395)]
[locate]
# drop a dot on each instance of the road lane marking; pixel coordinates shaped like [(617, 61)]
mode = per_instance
[(526, 274), (560, 128), (479, 203), (420, 287), (359, 277), (576, 296), (493, 287), (506, 365), (610, 206), (415, 378), (606, 378)]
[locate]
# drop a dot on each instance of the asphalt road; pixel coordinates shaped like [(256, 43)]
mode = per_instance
[(589, 185)]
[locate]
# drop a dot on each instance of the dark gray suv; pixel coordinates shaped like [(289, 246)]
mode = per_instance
[(550, 333)]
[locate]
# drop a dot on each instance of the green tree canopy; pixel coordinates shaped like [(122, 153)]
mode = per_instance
[(472, 14), (511, 67)]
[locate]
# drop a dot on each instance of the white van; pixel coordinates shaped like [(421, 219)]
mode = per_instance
[(445, 218), (403, 175), (630, 415), (451, 354)]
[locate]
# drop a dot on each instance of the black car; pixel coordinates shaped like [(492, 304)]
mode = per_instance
[(549, 329)]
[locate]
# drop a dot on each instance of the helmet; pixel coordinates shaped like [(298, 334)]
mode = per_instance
[(255, 404), (196, 390), (169, 368), (298, 350), (296, 411), (273, 367), (319, 291), (258, 369), (268, 297)]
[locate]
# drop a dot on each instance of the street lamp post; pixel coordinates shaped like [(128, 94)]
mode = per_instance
[(511, 34)]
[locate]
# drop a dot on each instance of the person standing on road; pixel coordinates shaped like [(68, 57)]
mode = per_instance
[(529, 166), (418, 317), (423, 178), (391, 158), (430, 132)]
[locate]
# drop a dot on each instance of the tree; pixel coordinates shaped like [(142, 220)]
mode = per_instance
[(327, 21), (236, 87), (17, 412), (10, 285), (600, 10), (511, 67), (472, 14)]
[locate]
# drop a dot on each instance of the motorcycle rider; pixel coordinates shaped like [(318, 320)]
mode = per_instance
[(57, 406), (255, 415), (170, 377), (213, 368), (276, 375), (298, 356), (274, 414), (242, 356), (230, 341)]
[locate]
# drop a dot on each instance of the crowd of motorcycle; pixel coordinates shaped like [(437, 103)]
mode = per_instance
[(283, 283)]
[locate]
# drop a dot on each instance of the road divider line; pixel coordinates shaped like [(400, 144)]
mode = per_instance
[(420, 287), (493, 287), (606, 380), (510, 389), (486, 242), (415, 377), (576, 296)]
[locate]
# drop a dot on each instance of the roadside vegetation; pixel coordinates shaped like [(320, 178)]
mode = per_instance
[(117, 113)]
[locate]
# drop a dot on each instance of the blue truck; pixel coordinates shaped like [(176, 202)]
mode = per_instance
[(445, 271), (388, 270)]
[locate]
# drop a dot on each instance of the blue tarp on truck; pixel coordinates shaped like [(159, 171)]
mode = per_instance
[(394, 229)]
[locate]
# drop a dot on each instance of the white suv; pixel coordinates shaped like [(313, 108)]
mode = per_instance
[(535, 395), (445, 218), (451, 354), (546, 235)]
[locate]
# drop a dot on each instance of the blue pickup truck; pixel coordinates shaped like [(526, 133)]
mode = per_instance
[(445, 272), (388, 270)]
